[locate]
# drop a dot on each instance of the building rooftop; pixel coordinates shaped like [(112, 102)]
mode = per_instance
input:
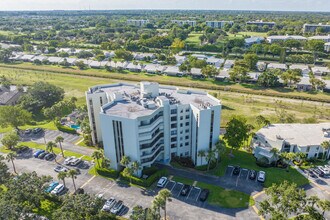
[(130, 103), (302, 135)]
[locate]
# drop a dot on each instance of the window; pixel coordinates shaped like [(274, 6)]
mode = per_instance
[(181, 125), (101, 101), (173, 111), (187, 137), (173, 139), (173, 145), (181, 117), (187, 153), (173, 125), (308, 148), (187, 123), (174, 132), (173, 118), (187, 116), (186, 144), (187, 110), (181, 145), (187, 130), (181, 111)]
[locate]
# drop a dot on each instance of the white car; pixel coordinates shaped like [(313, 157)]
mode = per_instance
[(75, 162), (161, 182), (108, 205), (261, 176), (117, 207), (324, 170), (58, 189), (60, 168), (68, 160)]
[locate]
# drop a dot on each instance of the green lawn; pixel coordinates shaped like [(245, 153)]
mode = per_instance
[(252, 34), (193, 38), (226, 198), (183, 180), (47, 208), (246, 160), (49, 125)]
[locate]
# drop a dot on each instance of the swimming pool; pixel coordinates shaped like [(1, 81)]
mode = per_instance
[(76, 127)]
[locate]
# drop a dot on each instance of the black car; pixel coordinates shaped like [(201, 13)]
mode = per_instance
[(49, 156), (252, 175), (23, 149), (236, 170), (204, 194), (311, 174), (185, 190), (319, 172), (42, 155), (79, 191), (37, 130)]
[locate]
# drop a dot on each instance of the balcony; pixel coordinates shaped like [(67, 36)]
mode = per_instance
[(153, 151), (154, 157), (155, 140), (150, 127)]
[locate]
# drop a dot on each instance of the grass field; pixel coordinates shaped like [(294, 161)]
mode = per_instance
[(183, 180), (233, 103), (246, 160), (193, 38)]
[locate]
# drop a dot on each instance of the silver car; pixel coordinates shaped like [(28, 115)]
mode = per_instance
[(108, 205)]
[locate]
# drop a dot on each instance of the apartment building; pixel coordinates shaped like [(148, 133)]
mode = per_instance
[(282, 38), (183, 22), (313, 27), (260, 24), (150, 123), (218, 24), (138, 23)]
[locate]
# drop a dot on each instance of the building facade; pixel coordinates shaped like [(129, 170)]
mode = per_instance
[(218, 24), (152, 123), (312, 27), (183, 22), (138, 23), (260, 24)]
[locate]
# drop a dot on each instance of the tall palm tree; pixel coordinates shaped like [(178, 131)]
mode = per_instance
[(10, 158), (97, 155), (125, 160), (201, 154), (324, 205), (73, 175), (50, 148), (210, 156), (326, 146), (62, 176), (219, 149), (136, 167), (165, 195), (128, 172), (59, 140)]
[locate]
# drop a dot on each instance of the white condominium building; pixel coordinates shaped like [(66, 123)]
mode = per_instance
[(218, 24), (150, 123), (138, 23), (183, 22)]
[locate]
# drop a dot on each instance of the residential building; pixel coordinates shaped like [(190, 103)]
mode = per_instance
[(196, 73), (55, 60), (228, 64), (215, 61), (183, 22), (218, 24), (223, 75), (154, 68), (8, 96), (143, 56), (313, 27), (180, 59), (26, 57), (327, 47), (326, 38), (134, 67), (173, 71), (320, 70), (150, 123), (200, 56), (261, 24), (253, 40), (301, 67), (138, 23), (261, 66), (304, 84), (280, 66), (278, 38), (305, 138)]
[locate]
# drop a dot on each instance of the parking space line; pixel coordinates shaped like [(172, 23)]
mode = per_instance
[(238, 178), (189, 193), (180, 189), (248, 174), (200, 190), (173, 185), (88, 181)]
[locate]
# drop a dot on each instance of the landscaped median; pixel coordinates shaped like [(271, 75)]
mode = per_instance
[(246, 160)]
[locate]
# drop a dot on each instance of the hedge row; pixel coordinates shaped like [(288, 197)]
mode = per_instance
[(192, 84), (110, 173), (65, 129), (145, 182)]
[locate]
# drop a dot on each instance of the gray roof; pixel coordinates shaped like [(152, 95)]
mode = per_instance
[(6, 95), (302, 135)]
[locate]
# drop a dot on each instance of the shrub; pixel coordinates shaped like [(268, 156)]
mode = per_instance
[(65, 128), (145, 182), (107, 172), (204, 167), (149, 170), (184, 161)]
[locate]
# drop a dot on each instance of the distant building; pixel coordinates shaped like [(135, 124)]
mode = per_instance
[(260, 24), (326, 38), (228, 64), (303, 68), (9, 97), (320, 70), (215, 61), (218, 24), (277, 38), (152, 123), (280, 66), (138, 23), (313, 27), (253, 40), (183, 22), (304, 84), (327, 47), (305, 138)]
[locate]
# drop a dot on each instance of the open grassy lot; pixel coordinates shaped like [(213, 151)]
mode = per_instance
[(40, 124), (193, 38), (246, 160), (233, 103), (252, 34), (183, 180)]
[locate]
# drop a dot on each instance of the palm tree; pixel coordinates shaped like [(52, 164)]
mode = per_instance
[(59, 140), (201, 154), (210, 156), (313, 200), (125, 160), (326, 146), (50, 148), (73, 175), (219, 149), (275, 152), (324, 205), (136, 166), (288, 157), (165, 195), (128, 172), (62, 176), (10, 158), (97, 155)]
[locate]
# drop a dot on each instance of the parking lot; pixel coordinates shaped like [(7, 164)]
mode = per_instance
[(49, 135)]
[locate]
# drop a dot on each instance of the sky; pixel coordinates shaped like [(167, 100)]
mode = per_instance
[(272, 5)]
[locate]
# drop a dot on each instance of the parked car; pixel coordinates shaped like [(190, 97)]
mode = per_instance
[(79, 191), (311, 174), (117, 207), (319, 172), (28, 131), (108, 205), (185, 190), (324, 170), (75, 162), (58, 189), (68, 160), (38, 152), (162, 182), (236, 170), (37, 130), (261, 176), (51, 187), (60, 168), (204, 194), (42, 155), (78, 171), (50, 156), (22, 149), (252, 174)]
